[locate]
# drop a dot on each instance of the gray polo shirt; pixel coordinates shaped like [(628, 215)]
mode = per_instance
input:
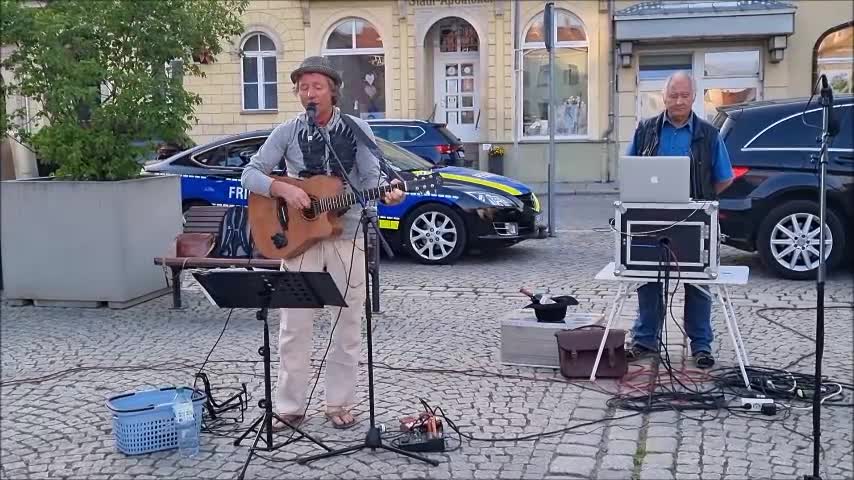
[(306, 155)]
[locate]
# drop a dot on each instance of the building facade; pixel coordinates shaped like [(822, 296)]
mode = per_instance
[(481, 67)]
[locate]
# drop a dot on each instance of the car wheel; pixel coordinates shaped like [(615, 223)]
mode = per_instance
[(788, 240), (434, 234)]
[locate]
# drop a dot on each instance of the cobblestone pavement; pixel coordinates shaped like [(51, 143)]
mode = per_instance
[(59, 366)]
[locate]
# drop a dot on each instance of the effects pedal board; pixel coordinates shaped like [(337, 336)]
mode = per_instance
[(416, 441), (422, 433)]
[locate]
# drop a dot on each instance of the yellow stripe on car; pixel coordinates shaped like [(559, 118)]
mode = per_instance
[(389, 224), (480, 181)]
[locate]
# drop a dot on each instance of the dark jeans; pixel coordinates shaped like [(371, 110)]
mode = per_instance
[(697, 314)]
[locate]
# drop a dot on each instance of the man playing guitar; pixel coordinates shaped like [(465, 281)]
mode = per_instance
[(305, 154)]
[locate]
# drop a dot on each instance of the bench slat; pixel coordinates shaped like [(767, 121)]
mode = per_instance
[(202, 262), (201, 229)]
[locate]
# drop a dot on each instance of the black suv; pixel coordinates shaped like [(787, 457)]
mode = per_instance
[(430, 141), (773, 204)]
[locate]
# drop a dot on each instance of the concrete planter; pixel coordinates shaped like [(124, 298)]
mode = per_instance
[(84, 243)]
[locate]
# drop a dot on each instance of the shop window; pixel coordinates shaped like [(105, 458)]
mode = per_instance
[(834, 57), (571, 74), (259, 73), (457, 36), (720, 77), (355, 49)]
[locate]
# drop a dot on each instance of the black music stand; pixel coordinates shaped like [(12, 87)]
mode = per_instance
[(265, 289)]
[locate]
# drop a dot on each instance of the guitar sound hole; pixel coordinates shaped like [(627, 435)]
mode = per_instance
[(311, 212)]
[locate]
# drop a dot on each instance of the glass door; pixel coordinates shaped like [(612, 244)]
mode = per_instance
[(457, 92)]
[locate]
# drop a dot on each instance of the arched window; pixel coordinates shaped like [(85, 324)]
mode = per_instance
[(571, 97), (355, 49), (259, 73), (834, 57)]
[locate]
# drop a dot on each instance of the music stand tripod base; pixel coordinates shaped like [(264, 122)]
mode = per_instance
[(237, 288)]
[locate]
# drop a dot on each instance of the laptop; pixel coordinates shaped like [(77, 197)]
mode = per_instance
[(655, 179)]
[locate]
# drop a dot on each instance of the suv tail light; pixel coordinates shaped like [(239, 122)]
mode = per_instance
[(447, 149), (738, 172)]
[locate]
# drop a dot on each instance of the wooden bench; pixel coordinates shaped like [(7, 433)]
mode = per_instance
[(207, 219)]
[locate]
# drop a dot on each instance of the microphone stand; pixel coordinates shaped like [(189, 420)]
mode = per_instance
[(827, 133), (373, 439)]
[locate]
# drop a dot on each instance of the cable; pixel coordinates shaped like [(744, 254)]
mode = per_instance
[(796, 332), (647, 233), (227, 319), (804, 111)]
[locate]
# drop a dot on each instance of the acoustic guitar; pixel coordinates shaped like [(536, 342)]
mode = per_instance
[(280, 231)]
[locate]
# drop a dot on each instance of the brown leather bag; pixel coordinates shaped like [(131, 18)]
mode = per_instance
[(577, 350), (194, 244)]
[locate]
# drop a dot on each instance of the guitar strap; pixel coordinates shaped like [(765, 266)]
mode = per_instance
[(366, 140)]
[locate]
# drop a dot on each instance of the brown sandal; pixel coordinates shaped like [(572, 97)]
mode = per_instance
[(293, 419), (339, 414)]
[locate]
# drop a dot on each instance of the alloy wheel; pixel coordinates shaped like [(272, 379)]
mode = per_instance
[(795, 242), (433, 235)]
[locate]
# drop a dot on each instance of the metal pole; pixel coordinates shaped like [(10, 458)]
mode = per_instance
[(827, 112), (552, 124)]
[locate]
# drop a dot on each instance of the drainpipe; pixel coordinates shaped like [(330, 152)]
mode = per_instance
[(612, 93), (516, 86)]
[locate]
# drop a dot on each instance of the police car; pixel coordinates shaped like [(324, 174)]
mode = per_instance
[(471, 210)]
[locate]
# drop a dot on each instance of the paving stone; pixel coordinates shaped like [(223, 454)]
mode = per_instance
[(660, 445), (577, 450), (658, 459), (73, 435), (622, 447), (655, 474), (579, 466), (617, 462)]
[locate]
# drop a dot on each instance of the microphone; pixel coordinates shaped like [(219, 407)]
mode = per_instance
[(311, 114), (827, 103), (311, 119)]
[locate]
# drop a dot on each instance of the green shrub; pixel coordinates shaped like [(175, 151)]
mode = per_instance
[(100, 75)]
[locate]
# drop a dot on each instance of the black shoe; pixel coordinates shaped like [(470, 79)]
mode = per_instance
[(639, 352), (704, 360)]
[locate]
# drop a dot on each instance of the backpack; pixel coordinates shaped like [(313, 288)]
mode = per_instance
[(235, 238)]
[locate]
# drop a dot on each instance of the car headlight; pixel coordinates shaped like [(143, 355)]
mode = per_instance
[(491, 199)]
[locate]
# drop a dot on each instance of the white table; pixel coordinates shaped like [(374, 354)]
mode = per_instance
[(716, 289)]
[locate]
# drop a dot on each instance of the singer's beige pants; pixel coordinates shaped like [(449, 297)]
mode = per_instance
[(296, 329)]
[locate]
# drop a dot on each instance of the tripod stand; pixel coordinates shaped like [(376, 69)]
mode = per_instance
[(269, 289), (373, 438), (828, 131)]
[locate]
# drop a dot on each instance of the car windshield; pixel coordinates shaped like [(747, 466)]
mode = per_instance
[(401, 159)]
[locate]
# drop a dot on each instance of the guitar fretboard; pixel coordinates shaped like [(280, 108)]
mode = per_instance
[(346, 200)]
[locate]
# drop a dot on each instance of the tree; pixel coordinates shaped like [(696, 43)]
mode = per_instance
[(106, 75)]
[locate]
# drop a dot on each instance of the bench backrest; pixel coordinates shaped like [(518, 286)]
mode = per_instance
[(204, 219)]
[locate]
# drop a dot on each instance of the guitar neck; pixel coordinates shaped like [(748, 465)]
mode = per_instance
[(345, 200)]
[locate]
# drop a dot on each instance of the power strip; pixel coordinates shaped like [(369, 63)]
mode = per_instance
[(759, 404)]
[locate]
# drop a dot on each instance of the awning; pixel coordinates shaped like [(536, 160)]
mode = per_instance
[(691, 20)]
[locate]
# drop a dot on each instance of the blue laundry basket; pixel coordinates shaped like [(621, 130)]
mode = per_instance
[(143, 422)]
